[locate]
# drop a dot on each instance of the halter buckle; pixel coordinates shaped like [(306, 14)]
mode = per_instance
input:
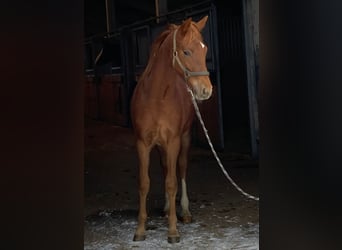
[(187, 74)]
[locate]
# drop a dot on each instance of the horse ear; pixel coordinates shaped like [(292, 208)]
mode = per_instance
[(201, 23), (186, 25)]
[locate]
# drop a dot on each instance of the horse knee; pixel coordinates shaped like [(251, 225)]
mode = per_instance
[(144, 186), (171, 184)]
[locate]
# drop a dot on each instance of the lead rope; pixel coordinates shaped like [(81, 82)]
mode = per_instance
[(213, 150), (188, 74)]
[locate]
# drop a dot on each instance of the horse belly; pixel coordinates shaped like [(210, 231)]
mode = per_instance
[(156, 135)]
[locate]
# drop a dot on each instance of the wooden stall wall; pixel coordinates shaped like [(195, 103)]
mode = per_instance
[(111, 100), (90, 98)]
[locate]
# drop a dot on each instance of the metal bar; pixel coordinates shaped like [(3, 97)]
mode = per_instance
[(108, 16), (216, 62), (142, 22), (251, 80), (156, 2)]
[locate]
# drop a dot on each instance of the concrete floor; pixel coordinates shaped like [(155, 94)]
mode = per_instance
[(222, 217)]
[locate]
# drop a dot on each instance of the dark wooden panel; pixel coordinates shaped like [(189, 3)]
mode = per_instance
[(90, 98), (111, 100)]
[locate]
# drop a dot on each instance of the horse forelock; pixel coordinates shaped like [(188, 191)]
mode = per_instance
[(193, 33)]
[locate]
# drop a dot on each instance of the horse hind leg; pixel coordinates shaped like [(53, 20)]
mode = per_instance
[(162, 155), (183, 164), (144, 186)]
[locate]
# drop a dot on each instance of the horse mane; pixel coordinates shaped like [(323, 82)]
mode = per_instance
[(155, 48)]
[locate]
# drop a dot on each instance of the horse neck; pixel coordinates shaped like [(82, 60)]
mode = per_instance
[(163, 78)]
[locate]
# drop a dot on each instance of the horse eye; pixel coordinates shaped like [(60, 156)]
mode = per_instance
[(187, 52)]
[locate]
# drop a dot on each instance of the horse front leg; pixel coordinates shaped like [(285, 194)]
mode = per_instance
[(172, 151), (162, 155), (144, 186), (183, 164)]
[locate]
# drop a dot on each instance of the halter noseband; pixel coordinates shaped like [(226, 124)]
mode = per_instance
[(187, 73)]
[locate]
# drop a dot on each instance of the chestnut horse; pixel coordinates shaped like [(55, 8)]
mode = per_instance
[(162, 113)]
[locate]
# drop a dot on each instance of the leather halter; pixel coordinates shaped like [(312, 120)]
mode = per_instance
[(187, 73)]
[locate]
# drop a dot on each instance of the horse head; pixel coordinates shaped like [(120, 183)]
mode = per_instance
[(189, 57)]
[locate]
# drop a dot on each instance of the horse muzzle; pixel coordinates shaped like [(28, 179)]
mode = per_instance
[(202, 90)]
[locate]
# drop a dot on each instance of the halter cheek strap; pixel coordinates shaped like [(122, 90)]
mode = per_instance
[(187, 73)]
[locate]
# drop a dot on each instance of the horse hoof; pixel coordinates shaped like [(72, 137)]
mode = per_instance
[(173, 239), (187, 219), (139, 237)]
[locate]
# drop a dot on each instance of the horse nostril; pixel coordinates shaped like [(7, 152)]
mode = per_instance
[(205, 92)]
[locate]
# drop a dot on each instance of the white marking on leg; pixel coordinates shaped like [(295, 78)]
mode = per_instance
[(167, 204), (184, 200)]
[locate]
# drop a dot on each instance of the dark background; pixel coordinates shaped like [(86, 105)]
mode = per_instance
[(131, 11), (42, 125)]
